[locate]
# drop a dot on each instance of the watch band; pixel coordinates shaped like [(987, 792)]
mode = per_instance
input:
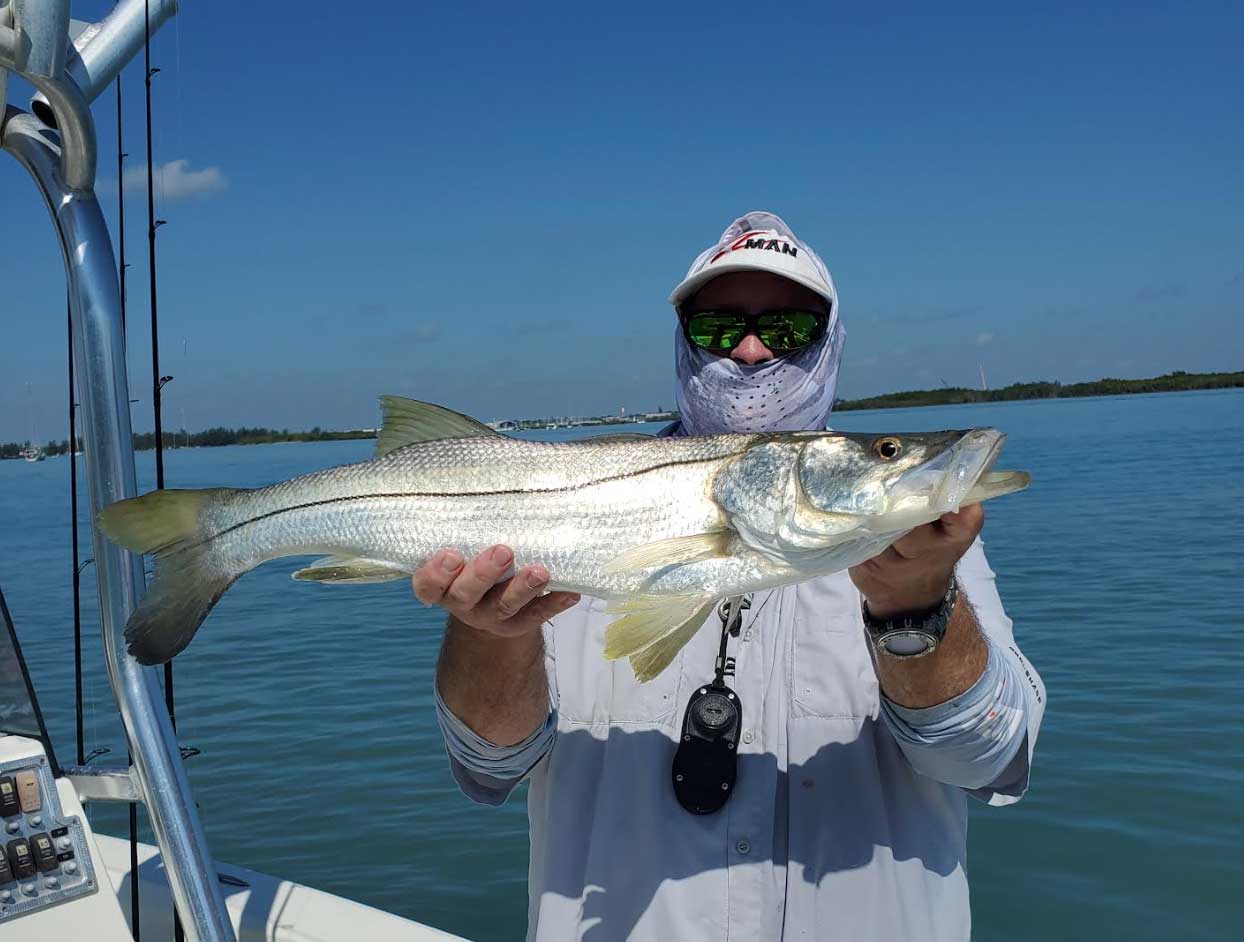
[(912, 634)]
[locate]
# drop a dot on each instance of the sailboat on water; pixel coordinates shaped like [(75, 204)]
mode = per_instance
[(32, 452)]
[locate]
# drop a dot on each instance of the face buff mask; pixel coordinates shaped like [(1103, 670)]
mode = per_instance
[(792, 394)]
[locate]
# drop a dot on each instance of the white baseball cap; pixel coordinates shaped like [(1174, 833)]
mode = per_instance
[(759, 241)]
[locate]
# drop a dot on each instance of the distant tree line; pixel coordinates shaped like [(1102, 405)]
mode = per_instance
[(213, 437), (209, 438), (1179, 381), (15, 449)]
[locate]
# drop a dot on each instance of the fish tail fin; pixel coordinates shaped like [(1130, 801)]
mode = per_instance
[(190, 576)]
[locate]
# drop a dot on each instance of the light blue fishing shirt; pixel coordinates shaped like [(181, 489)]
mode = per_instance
[(849, 816)]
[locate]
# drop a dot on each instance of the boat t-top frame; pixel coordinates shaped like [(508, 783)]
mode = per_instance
[(55, 141)]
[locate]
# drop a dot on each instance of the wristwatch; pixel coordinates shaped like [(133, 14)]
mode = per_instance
[(912, 634)]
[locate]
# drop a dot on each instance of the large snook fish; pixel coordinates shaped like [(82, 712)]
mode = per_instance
[(661, 528)]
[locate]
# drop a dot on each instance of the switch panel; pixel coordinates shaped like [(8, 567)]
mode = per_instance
[(44, 858)]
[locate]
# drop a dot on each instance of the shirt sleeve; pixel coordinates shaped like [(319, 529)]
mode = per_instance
[(983, 740), (485, 772)]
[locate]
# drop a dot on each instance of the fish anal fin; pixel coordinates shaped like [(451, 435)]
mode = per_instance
[(648, 619), (409, 421), (676, 551), (649, 662), (350, 570)]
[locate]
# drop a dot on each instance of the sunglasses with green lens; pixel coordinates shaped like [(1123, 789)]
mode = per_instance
[(782, 330)]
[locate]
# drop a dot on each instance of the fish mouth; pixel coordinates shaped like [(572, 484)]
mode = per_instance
[(966, 462), (962, 474)]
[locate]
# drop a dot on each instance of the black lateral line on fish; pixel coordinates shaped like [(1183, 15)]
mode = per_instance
[(384, 496)]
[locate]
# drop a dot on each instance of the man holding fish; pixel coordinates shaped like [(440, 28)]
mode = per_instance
[(863, 706), (794, 763)]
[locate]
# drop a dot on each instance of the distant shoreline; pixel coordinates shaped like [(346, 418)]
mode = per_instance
[(1178, 381)]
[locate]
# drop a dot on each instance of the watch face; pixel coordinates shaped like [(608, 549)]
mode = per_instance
[(907, 643)]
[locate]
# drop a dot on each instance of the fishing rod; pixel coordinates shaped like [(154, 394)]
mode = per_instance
[(157, 381)]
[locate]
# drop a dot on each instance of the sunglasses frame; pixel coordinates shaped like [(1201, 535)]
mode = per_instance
[(751, 322)]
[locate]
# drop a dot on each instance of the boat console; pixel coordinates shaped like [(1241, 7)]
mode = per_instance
[(45, 858), (51, 870)]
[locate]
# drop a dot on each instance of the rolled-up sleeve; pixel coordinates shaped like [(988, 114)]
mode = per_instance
[(983, 740), (485, 772)]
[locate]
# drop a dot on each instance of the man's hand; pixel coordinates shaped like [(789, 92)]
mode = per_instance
[(914, 572), (913, 575), (491, 669), (479, 596)]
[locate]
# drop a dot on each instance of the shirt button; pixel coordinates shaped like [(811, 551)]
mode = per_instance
[(748, 735), (744, 846), (747, 635)]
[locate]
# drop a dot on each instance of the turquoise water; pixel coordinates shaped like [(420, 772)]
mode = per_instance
[(1121, 568)]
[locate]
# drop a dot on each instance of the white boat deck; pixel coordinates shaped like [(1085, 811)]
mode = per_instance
[(262, 908)]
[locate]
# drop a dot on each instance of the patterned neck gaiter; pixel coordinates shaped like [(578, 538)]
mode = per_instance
[(794, 393)]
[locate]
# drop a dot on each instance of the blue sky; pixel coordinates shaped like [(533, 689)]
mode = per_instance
[(487, 205)]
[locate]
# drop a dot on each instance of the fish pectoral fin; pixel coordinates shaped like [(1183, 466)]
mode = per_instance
[(676, 551), (409, 421), (350, 570), (646, 620)]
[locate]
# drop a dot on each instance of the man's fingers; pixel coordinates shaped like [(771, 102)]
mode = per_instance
[(963, 527), (431, 580), (954, 529), (545, 607), (477, 577), (509, 598), (918, 542)]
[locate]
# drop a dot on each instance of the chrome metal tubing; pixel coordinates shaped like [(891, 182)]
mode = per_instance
[(13, 47), (71, 109), (105, 48), (6, 27), (76, 128), (46, 25), (104, 390), (92, 784)]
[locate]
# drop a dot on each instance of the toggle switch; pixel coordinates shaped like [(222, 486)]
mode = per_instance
[(20, 858), (9, 805), (44, 852), (28, 790)]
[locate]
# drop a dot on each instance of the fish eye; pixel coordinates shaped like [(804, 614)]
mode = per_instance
[(887, 449)]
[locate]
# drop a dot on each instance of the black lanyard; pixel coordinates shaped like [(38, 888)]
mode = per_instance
[(706, 763)]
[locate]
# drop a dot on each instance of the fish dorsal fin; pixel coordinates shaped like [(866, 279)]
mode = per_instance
[(408, 421)]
